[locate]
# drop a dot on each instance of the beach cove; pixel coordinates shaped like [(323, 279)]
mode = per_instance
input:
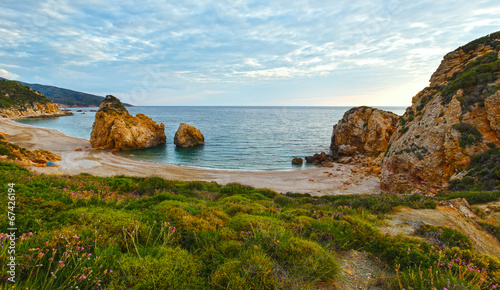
[(338, 180)]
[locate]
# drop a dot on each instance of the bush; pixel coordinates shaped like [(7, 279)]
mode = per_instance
[(170, 268), (252, 270), (445, 237), (469, 135), (306, 260), (483, 173)]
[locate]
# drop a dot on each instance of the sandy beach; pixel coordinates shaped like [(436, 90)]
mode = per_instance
[(340, 179)]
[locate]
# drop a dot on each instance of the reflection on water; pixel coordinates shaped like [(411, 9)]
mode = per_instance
[(189, 154)]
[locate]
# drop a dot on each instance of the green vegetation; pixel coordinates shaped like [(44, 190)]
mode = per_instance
[(474, 80), (469, 135), (146, 233), (483, 173), (445, 237), (490, 40), (68, 97), (12, 94)]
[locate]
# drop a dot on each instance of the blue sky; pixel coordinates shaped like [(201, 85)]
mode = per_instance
[(237, 52)]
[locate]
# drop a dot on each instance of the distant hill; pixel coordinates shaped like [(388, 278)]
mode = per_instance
[(67, 97), (24, 97)]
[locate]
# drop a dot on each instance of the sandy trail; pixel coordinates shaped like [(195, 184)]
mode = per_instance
[(316, 181)]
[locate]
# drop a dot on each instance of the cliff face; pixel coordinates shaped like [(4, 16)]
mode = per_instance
[(36, 110), (17, 100), (455, 118), (366, 129), (114, 128)]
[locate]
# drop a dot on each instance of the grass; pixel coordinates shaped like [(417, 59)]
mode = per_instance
[(146, 233)]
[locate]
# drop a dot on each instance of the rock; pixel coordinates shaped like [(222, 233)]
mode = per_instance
[(114, 128), (188, 136), (448, 123), (297, 161), (42, 156), (309, 159), (51, 164), (347, 150), (78, 149), (366, 129)]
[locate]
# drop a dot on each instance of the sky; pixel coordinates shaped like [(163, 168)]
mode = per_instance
[(238, 52)]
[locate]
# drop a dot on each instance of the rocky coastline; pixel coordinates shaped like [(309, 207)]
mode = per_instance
[(452, 120)]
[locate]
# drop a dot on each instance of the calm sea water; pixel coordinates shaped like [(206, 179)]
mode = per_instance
[(247, 138)]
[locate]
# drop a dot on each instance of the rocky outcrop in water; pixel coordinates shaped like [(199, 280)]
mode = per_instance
[(188, 136), (114, 128), (455, 118), (363, 130)]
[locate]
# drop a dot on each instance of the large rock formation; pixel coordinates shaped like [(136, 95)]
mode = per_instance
[(17, 100), (114, 128), (365, 130), (188, 136), (455, 118)]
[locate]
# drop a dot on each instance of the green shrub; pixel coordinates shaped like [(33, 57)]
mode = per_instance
[(445, 237), (170, 268), (483, 173), (469, 135), (306, 260), (252, 270), (246, 222)]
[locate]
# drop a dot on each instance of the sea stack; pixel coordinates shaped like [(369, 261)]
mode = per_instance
[(188, 136), (114, 128), (364, 130), (449, 122)]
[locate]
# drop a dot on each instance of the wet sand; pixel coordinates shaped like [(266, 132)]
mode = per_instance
[(316, 181)]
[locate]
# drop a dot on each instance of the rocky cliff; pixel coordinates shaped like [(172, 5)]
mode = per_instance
[(114, 128), (455, 118), (17, 100), (363, 130)]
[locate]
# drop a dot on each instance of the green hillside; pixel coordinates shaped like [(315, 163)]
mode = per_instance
[(13, 94), (67, 97)]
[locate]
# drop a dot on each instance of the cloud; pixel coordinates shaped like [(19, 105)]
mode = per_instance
[(8, 75), (202, 46)]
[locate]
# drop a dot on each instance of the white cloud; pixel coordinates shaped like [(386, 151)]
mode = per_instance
[(8, 75)]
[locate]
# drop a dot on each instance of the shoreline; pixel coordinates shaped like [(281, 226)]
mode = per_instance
[(337, 180)]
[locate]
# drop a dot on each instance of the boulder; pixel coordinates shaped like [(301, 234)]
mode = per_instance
[(452, 120), (346, 150), (365, 130), (114, 128), (188, 136), (297, 161)]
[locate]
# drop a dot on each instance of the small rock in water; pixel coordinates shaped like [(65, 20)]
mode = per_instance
[(297, 161)]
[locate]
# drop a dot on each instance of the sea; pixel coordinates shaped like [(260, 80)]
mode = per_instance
[(236, 138)]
